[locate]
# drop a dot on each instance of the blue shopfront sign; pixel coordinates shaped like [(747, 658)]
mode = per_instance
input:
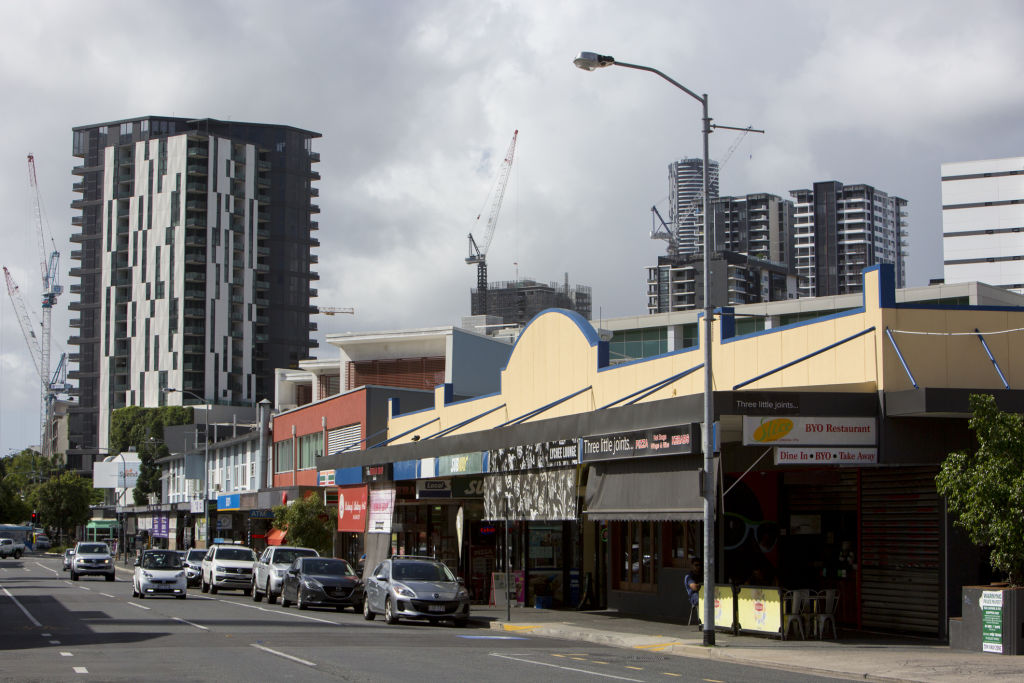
[(229, 501)]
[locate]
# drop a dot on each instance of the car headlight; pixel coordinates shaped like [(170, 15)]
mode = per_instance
[(106, 561), (403, 590), (280, 571), (218, 568), (311, 583), (461, 593), (148, 575)]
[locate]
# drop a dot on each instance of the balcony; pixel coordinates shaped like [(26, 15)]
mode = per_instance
[(314, 157), (313, 243), (314, 192), (76, 255), (313, 258), (314, 208), (196, 169), (313, 293), (314, 225), (77, 220)]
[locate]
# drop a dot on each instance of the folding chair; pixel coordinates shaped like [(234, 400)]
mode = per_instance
[(794, 604), (825, 613)]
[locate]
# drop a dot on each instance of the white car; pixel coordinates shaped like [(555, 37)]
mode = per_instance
[(92, 559), (159, 572), (268, 573), (228, 567)]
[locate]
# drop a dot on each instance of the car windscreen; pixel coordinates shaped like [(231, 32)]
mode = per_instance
[(195, 556), (241, 554), (323, 566), (161, 560), (421, 571), (93, 549), (289, 556)]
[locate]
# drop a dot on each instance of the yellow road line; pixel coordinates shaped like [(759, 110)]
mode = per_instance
[(635, 668), (526, 627), (656, 646), (669, 673)]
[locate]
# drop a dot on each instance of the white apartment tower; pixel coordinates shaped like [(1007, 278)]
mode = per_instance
[(839, 230), (983, 222), (686, 210)]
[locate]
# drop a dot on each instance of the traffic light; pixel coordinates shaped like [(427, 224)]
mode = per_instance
[(34, 517)]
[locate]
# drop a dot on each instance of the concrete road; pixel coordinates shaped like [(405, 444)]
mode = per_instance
[(52, 629)]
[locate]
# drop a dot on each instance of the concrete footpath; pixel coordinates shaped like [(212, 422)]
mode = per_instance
[(855, 655)]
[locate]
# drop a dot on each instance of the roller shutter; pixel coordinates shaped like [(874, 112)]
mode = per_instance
[(344, 438)]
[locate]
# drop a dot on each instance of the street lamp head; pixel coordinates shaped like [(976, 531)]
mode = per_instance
[(168, 390), (588, 61)]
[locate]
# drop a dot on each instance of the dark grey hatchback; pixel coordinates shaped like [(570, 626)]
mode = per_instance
[(322, 582)]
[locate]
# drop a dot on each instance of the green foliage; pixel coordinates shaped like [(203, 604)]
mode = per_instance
[(306, 523), (985, 489), (63, 501), (20, 475), (143, 430), (13, 508)]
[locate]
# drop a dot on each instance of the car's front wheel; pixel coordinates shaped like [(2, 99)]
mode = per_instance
[(389, 612), (204, 587), (213, 589), (271, 598), (110, 577), (367, 612), (74, 576), (256, 595), (299, 602)]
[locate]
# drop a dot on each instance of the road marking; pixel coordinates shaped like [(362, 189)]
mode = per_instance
[(635, 668), (282, 654), (46, 568), (668, 673), (657, 646), (46, 635), (106, 595), (54, 642), (277, 611), (527, 627), (66, 654), (185, 621), (135, 604), (496, 638), (28, 614), (85, 588), (565, 668), (80, 669), (712, 680)]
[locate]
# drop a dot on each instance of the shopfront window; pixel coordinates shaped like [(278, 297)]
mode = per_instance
[(283, 456), (311, 446), (684, 543), (639, 545)]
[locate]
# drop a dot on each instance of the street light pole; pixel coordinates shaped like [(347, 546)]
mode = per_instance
[(206, 456), (589, 61)]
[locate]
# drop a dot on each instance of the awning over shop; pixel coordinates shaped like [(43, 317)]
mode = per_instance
[(101, 524), (647, 489), (275, 537), (547, 495)]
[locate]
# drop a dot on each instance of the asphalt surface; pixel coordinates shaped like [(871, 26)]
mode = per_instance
[(52, 629)]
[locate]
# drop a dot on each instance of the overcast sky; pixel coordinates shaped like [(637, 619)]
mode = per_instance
[(417, 101)]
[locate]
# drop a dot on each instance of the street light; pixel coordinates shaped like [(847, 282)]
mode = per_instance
[(589, 61), (206, 455)]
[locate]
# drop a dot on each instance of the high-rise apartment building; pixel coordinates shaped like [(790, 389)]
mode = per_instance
[(983, 222), (686, 204), (838, 230), (758, 225), (516, 302), (677, 284), (195, 253)]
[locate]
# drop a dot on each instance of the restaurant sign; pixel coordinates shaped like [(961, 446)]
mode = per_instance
[(825, 456), (813, 431), (532, 456), (640, 444)]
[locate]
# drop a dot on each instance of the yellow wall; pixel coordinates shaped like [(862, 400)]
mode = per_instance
[(554, 358)]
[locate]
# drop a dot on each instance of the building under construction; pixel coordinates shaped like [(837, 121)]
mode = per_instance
[(516, 302)]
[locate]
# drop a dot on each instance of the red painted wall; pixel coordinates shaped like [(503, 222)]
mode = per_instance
[(340, 411)]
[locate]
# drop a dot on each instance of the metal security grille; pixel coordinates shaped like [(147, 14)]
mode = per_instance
[(901, 547), (344, 437)]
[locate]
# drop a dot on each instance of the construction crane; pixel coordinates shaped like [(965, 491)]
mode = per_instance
[(327, 310), (477, 254), (49, 263)]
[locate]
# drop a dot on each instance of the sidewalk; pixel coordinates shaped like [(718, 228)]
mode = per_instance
[(863, 656)]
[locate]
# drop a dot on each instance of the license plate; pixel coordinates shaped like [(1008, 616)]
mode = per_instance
[(435, 608)]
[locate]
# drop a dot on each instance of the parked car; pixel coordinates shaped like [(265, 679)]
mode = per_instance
[(228, 567), (11, 548), (322, 582), (92, 559), (69, 556), (193, 564), (42, 542), (269, 571), (159, 572), (405, 587)]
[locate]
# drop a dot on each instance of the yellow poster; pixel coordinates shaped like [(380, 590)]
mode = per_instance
[(725, 614), (759, 609)]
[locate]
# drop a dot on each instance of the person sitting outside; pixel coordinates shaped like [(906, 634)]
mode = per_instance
[(692, 582)]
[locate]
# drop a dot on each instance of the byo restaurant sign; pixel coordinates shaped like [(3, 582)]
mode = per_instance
[(817, 431)]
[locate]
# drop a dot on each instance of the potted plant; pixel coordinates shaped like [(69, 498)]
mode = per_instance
[(984, 490)]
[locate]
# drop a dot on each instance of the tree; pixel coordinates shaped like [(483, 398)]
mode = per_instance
[(27, 469), (13, 508), (306, 523), (63, 501), (985, 489), (143, 430)]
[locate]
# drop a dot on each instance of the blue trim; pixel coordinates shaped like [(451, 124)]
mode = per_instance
[(886, 283), (448, 430), (537, 411), (803, 358), (346, 476), (449, 393), (393, 406), (984, 344), (727, 321), (899, 354), (406, 469), (585, 328)]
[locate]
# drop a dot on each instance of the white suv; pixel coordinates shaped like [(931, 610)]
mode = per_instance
[(92, 559), (271, 567), (228, 567)]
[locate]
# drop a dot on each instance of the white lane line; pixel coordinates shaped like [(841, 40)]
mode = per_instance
[(28, 614), (66, 654), (80, 669), (566, 668), (277, 611), (85, 588), (46, 635), (135, 604), (106, 595), (185, 621), (282, 654), (47, 568), (54, 642)]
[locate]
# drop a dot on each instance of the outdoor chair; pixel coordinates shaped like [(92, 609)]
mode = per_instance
[(794, 606), (825, 612)]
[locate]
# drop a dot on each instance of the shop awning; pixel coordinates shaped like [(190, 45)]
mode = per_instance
[(101, 524), (645, 489), (275, 537)]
